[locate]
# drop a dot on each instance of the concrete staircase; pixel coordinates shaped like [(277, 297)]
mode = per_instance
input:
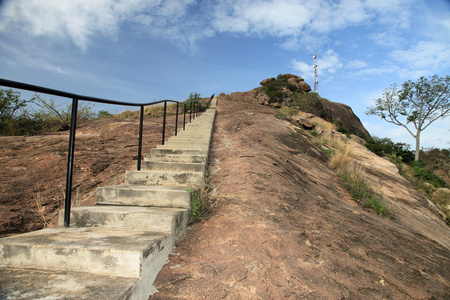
[(114, 249)]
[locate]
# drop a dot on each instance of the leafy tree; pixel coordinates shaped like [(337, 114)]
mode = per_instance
[(10, 102), (193, 96), (104, 114), (418, 103), (61, 114)]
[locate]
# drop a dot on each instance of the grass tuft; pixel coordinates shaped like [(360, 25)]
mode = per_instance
[(353, 178), (202, 202), (351, 175)]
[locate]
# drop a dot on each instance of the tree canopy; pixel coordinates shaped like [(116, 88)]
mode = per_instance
[(415, 105)]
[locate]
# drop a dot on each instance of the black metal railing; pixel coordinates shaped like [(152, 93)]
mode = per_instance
[(193, 106)]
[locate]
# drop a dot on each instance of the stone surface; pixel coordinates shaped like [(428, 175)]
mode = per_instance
[(93, 250), (159, 196), (266, 81), (287, 229), (35, 284), (155, 219)]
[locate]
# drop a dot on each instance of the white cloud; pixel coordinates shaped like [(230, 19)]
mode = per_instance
[(388, 39), (81, 20), (356, 64), (329, 63), (423, 59), (306, 70), (293, 21)]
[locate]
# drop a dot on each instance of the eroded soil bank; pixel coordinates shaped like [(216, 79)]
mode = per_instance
[(286, 228)]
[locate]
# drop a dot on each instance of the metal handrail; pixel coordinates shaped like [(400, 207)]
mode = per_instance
[(193, 107)]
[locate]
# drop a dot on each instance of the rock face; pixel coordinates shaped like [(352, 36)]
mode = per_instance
[(266, 81), (288, 84), (292, 79), (344, 114)]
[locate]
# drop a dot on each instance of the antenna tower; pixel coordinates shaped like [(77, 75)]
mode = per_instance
[(316, 83)]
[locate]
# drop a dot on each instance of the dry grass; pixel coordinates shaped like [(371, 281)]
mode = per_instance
[(202, 202), (341, 158), (40, 210), (318, 121), (351, 175)]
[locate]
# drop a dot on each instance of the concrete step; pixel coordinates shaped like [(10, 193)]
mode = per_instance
[(194, 135), (177, 152), (177, 146), (112, 252), (198, 126), (172, 166), (175, 158), (161, 219), (38, 284), (176, 139), (181, 179), (196, 129), (191, 138), (143, 195), (186, 143)]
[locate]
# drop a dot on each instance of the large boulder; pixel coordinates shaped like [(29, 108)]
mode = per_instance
[(288, 76), (304, 86), (338, 112), (298, 82), (266, 81)]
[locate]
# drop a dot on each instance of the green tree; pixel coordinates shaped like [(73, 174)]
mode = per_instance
[(415, 105), (10, 102), (193, 96), (61, 114)]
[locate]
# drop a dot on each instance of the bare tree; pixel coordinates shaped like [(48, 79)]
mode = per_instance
[(417, 103)]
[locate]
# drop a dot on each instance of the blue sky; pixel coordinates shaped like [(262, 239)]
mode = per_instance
[(137, 50)]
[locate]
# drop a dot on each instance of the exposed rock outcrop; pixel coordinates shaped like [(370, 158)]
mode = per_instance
[(342, 113), (266, 81), (291, 79), (286, 92)]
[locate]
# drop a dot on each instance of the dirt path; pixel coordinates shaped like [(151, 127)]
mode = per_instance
[(285, 228)]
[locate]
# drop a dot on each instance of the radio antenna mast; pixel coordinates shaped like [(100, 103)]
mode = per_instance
[(316, 83)]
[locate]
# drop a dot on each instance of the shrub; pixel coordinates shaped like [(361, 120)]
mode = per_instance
[(442, 200), (275, 91), (386, 147), (10, 102), (285, 113), (420, 171), (307, 102), (437, 159), (104, 114), (57, 117), (48, 117)]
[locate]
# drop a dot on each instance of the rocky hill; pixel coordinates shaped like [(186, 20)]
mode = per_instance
[(291, 90), (285, 227)]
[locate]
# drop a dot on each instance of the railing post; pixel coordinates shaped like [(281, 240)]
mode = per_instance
[(190, 111), (176, 121), (184, 117), (164, 122), (141, 123), (68, 201)]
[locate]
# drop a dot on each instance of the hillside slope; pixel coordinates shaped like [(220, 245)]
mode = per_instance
[(286, 228)]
